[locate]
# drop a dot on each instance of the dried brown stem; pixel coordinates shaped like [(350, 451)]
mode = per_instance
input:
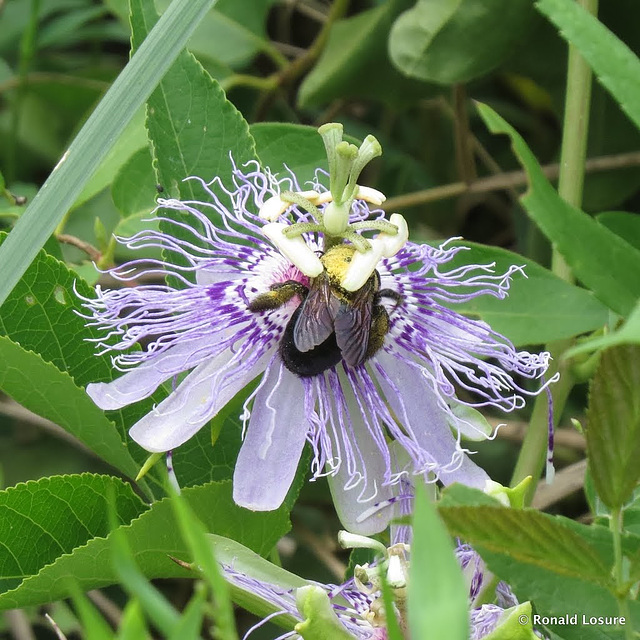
[(569, 437), (108, 609), (566, 482), (323, 549), (505, 181), (12, 409), (19, 625)]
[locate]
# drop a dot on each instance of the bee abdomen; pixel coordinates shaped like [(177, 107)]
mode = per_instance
[(307, 363)]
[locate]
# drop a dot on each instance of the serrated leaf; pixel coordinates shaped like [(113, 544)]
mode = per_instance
[(355, 62), (42, 315), (529, 537), (447, 41), (616, 66), (613, 432), (555, 593), (193, 128), (44, 519), (586, 245), (51, 393), (152, 538), (539, 307), (438, 597)]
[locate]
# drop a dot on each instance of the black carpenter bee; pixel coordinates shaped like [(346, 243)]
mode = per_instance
[(330, 324)]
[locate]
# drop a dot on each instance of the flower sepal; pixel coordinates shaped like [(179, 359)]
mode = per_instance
[(514, 624), (320, 620), (513, 497)]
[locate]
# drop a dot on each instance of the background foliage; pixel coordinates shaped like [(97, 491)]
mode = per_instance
[(255, 80)]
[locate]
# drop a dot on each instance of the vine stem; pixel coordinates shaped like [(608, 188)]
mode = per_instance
[(570, 186), (615, 526)]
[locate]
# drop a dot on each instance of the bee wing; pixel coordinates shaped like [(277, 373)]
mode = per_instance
[(352, 325), (315, 322)]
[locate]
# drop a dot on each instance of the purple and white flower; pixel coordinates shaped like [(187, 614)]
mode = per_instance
[(349, 415), (355, 608)]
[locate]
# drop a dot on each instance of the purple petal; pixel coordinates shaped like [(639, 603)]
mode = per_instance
[(273, 444), (208, 275), (198, 398), (356, 487), (425, 418), (142, 381)]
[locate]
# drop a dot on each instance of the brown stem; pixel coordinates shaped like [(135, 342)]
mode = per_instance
[(89, 249), (505, 181), (322, 549), (566, 482), (569, 438)]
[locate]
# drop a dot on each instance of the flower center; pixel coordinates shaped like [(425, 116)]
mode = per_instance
[(345, 165)]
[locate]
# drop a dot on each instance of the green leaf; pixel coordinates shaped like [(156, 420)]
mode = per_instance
[(320, 619), (229, 34), (626, 225), (44, 519), (298, 147), (628, 333), (193, 128), (355, 62), (554, 590), (152, 538), (93, 624), (51, 393), (451, 41), (539, 308), (584, 244), (613, 432), (132, 624), (438, 596), (190, 621), (195, 535), (132, 139), (42, 315), (616, 66), (530, 537), (160, 611), (128, 227), (96, 137), (134, 187)]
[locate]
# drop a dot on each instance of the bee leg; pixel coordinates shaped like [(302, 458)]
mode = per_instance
[(379, 329), (398, 298), (279, 294)]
